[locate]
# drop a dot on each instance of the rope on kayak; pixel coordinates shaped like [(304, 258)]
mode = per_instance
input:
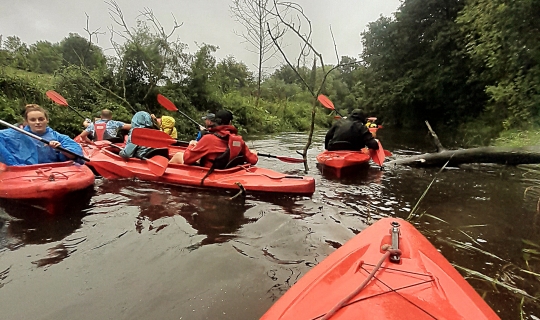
[(345, 300), (414, 304)]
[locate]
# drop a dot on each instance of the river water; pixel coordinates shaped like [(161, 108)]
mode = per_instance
[(137, 250)]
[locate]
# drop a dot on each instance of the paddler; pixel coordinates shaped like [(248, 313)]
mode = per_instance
[(350, 134), (17, 149), (372, 126), (221, 148), (207, 125), (167, 125), (141, 119), (104, 128)]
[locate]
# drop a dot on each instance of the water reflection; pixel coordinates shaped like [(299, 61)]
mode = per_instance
[(25, 224)]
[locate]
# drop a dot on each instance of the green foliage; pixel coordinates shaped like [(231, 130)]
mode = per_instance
[(502, 40), (416, 67), (78, 51), (199, 87), (44, 57), (471, 65), (233, 75)]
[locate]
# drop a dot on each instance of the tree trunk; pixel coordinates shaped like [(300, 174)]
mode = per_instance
[(501, 155)]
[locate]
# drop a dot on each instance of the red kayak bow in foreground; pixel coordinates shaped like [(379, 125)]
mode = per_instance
[(388, 271)]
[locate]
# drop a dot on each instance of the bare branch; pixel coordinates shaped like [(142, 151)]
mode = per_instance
[(335, 46), (289, 63)]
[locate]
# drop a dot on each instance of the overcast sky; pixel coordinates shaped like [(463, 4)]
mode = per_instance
[(204, 21)]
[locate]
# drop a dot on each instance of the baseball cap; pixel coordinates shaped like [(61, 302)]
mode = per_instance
[(224, 116)]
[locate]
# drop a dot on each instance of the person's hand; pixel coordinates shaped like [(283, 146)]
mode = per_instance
[(192, 143), (153, 116), (253, 151), (54, 144), (201, 128)]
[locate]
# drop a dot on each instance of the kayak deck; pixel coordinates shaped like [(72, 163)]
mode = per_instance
[(423, 285), (48, 182), (111, 166)]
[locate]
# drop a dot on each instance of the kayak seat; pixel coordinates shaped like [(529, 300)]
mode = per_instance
[(114, 140), (239, 160), (164, 152)]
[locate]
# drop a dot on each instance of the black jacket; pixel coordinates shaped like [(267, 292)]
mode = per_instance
[(347, 134)]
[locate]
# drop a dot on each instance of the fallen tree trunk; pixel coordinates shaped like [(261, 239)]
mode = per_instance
[(501, 155)]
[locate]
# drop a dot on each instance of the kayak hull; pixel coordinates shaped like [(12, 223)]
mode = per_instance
[(255, 179), (423, 285), (337, 161), (47, 183)]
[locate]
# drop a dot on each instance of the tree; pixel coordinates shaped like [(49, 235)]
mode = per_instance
[(290, 17), (232, 75), (146, 57), (503, 41), (254, 15), (416, 67), (44, 57), (17, 53), (199, 86), (79, 51)]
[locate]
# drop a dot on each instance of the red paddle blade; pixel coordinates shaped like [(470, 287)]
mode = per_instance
[(157, 165), (326, 102), (387, 153), (110, 170), (290, 160), (166, 103), (151, 138), (377, 155), (56, 97)]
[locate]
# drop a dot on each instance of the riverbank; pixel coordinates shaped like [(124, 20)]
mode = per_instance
[(518, 138)]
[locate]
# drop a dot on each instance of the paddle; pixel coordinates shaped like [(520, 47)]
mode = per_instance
[(56, 97), (31, 135), (158, 139), (167, 104), (282, 158), (325, 101), (377, 155), (107, 166)]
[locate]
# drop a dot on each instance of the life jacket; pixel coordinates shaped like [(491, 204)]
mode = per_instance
[(231, 157), (101, 133)]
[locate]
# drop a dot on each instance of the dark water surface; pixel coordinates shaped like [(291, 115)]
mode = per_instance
[(139, 250)]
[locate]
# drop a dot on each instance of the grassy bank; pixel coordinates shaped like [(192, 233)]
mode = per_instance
[(518, 138)]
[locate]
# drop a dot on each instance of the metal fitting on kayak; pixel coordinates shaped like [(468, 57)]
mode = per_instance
[(394, 231)]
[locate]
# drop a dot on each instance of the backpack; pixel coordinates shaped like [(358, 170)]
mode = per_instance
[(231, 157)]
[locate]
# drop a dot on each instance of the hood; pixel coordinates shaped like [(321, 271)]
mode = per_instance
[(167, 122), (224, 130), (141, 119)]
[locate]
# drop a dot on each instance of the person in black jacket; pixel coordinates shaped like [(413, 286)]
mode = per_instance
[(350, 134)]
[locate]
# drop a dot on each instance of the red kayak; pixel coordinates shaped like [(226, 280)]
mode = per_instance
[(106, 162), (336, 161), (46, 184), (388, 271)]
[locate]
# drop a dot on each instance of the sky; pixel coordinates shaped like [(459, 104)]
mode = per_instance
[(204, 21)]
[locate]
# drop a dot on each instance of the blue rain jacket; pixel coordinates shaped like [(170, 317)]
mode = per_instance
[(141, 119), (17, 149)]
